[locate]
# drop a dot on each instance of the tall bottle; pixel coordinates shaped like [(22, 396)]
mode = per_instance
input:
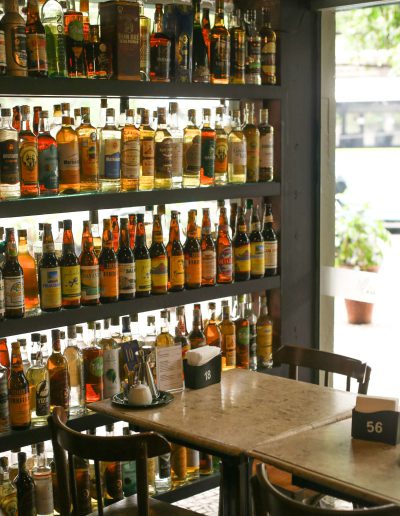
[(228, 345), (266, 148), (110, 156), (224, 250), (68, 158), (241, 248), (89, 269), (73, 29), (35, 42), (41, 474), (200, 58), (142, 260), (47, 157), (237, 152), (93, 365), (177, 145), (130, 154), (73, 355), (28, 157), (252, 135), (27, 263), (13, 277), (264, 338), (88, 153), (59, 378), (242, 325), (126, 264), (108, 265), (220, 50), (238, 49), (9, 158), (163, 152), (25, 485), (147, 153), (208, 252), (196, 337), (191, 152), (159, 259), (53, 21), (221, 149), (70, 270), (49, 274), (111, 359), (160, 49), (208, 145), (192, 252), (176, 260), (252, 318), (257, 247), (253, 49), (270, 243), (145, 28), (212, 331), (268, 49), (18, 392), (13, 26)]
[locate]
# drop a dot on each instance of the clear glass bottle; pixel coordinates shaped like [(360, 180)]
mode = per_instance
[(191, 152), (130, 154), (177, 145), (53, 21), (266, 148), (111, 361), (237, 152), (55, 124), (110, 154), (38, 379), (68, 158), (94, 226), (9, 158), (88, 153), (58, 241), (163, 480), (164, 338), (163, 153), (220, 50), (193, 463), (228, 344), (221, 148), (252, 135), (73, 355), (93, 365), (253, 48), (147, 153), (212, 331), (41, 475)]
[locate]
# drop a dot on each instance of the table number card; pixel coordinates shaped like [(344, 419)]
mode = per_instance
[(169, 368), (376, 419)]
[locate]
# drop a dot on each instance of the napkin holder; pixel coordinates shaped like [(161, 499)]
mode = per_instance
[(376, 425), (197, 377)]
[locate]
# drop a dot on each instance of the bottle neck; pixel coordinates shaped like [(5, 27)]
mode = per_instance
[(22, 245), (44, 126), (140, 239), (124, 237), (219, 13), (25, 125), (107, 240), (5, 122), (68, 242), (158, 21)]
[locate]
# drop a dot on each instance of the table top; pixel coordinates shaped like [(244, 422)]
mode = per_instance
[(245, 409), (330, 457)]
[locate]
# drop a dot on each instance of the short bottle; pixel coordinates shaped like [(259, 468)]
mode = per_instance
[(68, 158), (126, 264), (176, 269), (108, 266), (59, 378), (13, 277), (257, 247), (25, 485), (9, 157), (264, 338), (237, 152), (192, 253), (163, 153), (70, 270), (208, 145), (49, 274), (18, 392), (47, 157), (270, 243), (191, 152), (88, 153), (228, 345), (266, 148), (196, 337), (130, 154), (241, 249), (89, 269), (212, 331), (28, 156), (110, 154), (208, 252), (147, 153), (142, 260)]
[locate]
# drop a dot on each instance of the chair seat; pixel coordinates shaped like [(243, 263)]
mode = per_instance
[(128, 507)]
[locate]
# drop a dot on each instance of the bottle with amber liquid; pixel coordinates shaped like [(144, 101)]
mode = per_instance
[(68, 158), (108, 265), (57, 367), (241, 248), (147, 153), (28, 265), (94, 228), (238, 49), (221, 149), (88, 153), (232, 217), (126, 264), (264, 337), (13, 277), (163, 152), (74, 35), (112, 476), (49, 274), (201, 57), (242, 325), (224, 250), (4, 356), (25, 485), (228, 343), (266, 148), (115, 231), (160, 49), (93, 365), (253, 48), (130, 154), (191, 152), (196, 337), (82, 479), (97, 62), (257, 251), (142, 260), (220, 49), (192, 253), (89, 266), (47, 157), (28, 157), (270, 243), (18, 392), (132, 230), (176, 259), (212, 331), (208, 252), (13, 25), (208, 143), (252, 135), (35, 42), (237, 152), (159, 259), (268, 49), (70, 270)]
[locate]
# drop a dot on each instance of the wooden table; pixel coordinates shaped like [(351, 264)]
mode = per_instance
[(229, 420), (329, 457)]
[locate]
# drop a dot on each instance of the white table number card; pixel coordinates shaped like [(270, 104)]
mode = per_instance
[(169, 368)]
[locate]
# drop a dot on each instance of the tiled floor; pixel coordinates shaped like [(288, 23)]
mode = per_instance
[(204, 503)]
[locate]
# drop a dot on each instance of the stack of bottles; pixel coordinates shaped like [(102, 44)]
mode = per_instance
[(68, 155)]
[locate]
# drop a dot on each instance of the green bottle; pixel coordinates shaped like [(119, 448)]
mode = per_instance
[(53, 21)]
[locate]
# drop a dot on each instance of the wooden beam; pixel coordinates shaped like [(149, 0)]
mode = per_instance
[(319, 5)]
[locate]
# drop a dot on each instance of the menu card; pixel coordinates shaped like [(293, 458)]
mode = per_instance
[(169, 368)]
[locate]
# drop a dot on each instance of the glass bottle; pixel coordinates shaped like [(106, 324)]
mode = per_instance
[(219, 47), (93, 365), (47, 157), (238, 49), (270, 243), (132, 230), (111, 361), (49, 274), (176, 271), (89, 269), (44, 348), (73, 355), (257, 250), (191, 152), (268, 49), (73, 29), (241, 248), (142, 260), (264, 338), (4, 356), (41, 475), (27, 263), (53, 21), (70, 270), (147, 153), (55, 124), (160, 49), (253, 48), (28, 157), (237, 152), (266, 148), (110, 156), (18, 392), (206, 464), (159, 260), (35, 121), (82, 478), (126, 264), (4, 407), (212, 331), (88, 153), (59, 239), (193, 464), (178, 465), (130, 154), (192, 253), (16, 119), (181, 334), (59, 378), (196, 337), (208, 252), (3, 57), (38, 379), (68, 158), (228, 343), (200, 58), (24, 355), (163, 153), (94, 227), (8, 497), (252, 135), (177, 145), (221, 149), (224, 250), (97, 64), (35, 42), (206, 28), (252, 318), (13, 277), (13, 25), (25, 485), (9, 158), (108, 266), (163, 481), (112, 476), (208, 145), (164, 338), (145, 28), (242, 324)]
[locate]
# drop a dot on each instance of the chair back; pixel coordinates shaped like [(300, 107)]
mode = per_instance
[(138, 447), (296, 356), (269, 501)]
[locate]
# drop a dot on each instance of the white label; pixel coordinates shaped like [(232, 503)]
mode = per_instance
[(44, 494), (2, 303), (238, 153), (126, 275), (208, 264), (111, 379), (14, 292), (271, 255), (267, 150), (130, 159)]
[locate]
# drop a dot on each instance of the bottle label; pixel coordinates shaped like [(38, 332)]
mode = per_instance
[(42, 398), (3, 61), (242, 258), (28, 155), (48, 167), (18, 401), (243, 344), (4, 410), (126, 275), (253, 157), (192, 155), (257, 256), (221, 155), (160, 57), (112, 158), (59, 387), (224, 261), (238, 154), (220, 56), (268, 58), (208, 264), (271, 254), (239, 53), (264, 341), (143, 275), (130, 159), (208, 156), (44, 494), (68, 162), (177, 157), (50, 287), (253, 55), (183, 56), (18, 39), (14, 292), (89, 160), (147, 151), (75, 30), (229, 347), (111, 380), (109, 280), (2, 300), (9, 162), (159, 272), (193, 268), (36, 49), (177, 271), (163, 158), (267, 150), (96, 366), (71, 283)]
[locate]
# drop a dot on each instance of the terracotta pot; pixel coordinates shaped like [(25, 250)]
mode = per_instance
[(359, 312)]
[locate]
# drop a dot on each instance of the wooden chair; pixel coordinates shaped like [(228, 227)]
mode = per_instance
[(137, 447), (269, 501)]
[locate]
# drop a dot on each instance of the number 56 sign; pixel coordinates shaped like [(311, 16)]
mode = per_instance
[(381, 426)]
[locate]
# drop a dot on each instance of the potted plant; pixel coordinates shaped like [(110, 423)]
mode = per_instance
[(360, 242)]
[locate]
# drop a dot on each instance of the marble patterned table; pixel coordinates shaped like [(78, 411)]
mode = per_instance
[(229, 420)]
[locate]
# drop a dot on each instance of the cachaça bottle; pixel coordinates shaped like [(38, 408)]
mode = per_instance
[(192, 253), (88, 153), (268, 49), (228, 343), (130, 154), (47, 157), (242, 336), (264, 337), (4, 408), (59, 379), (176, 259), (70, 270), (191, 152), (36, 117), (126, 264), (73, 355), (238, 49), (212, 331), (110, 154), (111, 362), (196, 337), (18, 392), (111, 473), (164, 338), (4, 356), (220, 47), (252, 134), (73, 29), (163, 152), (27, 263), (39, 386), (237, 152), (35, 42), (252, 318), (253, 48), (25, 485), (53, 21), (159, 259), (241, 248), (221, 149), (270, 243), (208, 143), (49, 274), (93, 365), (142, 260), (266, 148), (108, 265), (8, 498), (41, 474), (160, 49), (208, 252), (94, 228), (28, 157), (177, 145), (200, 58), (115, 231), (89, 268), (82, 478), (9, 158), (68, 158), (257, 249), (13, 277), (132, 230), (224, 250), (13, 25), (147, 153)]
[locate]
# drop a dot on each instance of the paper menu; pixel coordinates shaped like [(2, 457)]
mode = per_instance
[(169, 368)]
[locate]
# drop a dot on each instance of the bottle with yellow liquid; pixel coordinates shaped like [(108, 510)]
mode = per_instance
[(88, 153), (130, 154), (264, 338), (147, 152), (228, 344), (159, 259)]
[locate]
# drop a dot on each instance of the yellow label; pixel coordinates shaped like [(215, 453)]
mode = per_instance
[(143, 275), (221, 155), (264, 341), (159, 272), (71, 282), (242, 258), (28, 155), (109, 280), (177, 271), (89, 159), (193, 268), (230, 350), (90, 288), (271, 255), (50, 288), (257, 258), (19, 407)]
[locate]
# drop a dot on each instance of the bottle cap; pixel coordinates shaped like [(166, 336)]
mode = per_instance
[(71, 331), (115, 321), (106, 324), (67, 224), (173, 108), (35, 337), (5, 112), (44, 114)]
